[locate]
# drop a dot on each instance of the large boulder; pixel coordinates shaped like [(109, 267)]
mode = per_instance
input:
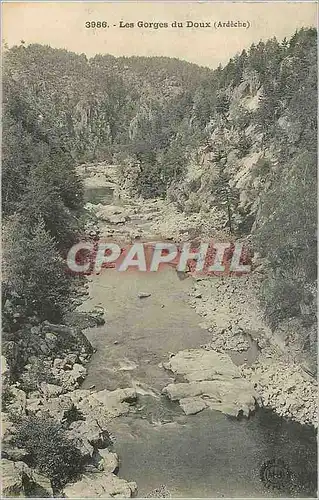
[(96, 316), (50, 390), (199, 364), (109, 212), (52, 407), (100, 485), (116, 219), (17, 404), (51, 340), (105, 460), (211, 381), (231, 397), (68, 337), (118, 400), (90, 433), (87, 319), (39, 486), (114, 403), (102, 406), (192, 405), (71, 379), (15, 476)]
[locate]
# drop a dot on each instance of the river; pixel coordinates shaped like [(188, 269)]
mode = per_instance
[(204, 455)]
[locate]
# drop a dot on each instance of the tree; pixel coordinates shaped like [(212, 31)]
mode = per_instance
[(227, 197), (173, 163), (286, 234), (149, 182), (34, 271), (43, 200), (222, 104)]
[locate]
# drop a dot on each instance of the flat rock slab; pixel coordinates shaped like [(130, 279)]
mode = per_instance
[(212, 381), (198, 364), (193, 405), (100, 485)]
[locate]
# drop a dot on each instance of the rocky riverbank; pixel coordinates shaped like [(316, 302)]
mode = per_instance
[(231, 313), (242, 365), (274, 362), (49, 388)]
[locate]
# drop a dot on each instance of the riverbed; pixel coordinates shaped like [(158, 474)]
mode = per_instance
[(204, 455)]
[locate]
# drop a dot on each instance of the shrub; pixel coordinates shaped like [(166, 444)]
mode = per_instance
[(262, 167), (244, 145), (38, 373), (281, 298), (71, 415), (150, 183), (50, 450), (6, 398)]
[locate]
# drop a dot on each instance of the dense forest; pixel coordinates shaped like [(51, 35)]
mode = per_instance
[(248, 131)]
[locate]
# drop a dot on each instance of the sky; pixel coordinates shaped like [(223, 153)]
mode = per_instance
[(62, 25)]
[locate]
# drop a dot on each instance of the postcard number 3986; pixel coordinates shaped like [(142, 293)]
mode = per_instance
[(96, 24)]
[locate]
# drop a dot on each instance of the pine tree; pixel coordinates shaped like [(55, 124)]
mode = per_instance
[(34, 271), (227, 198)]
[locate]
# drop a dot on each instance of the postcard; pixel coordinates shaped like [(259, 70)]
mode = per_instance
[(159, 249)]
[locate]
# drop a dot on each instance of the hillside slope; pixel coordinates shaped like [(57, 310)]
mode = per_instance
[(237, 144)]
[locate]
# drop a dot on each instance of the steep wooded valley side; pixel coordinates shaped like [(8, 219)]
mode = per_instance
[(225, 154)]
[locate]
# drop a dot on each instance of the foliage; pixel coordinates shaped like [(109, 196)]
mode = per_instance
[(42, 200), (154, 116), (6, 397), (42, 196), (34, 270), (286, 235), (286, 227), (49, 448), (227, 197), (38, 372), (280, 297), (150, 183), (73, 414)]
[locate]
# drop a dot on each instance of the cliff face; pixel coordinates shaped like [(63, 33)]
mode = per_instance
[(236, 152), (255, 173)]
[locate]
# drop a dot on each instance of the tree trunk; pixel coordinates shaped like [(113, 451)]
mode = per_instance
[(229, 215)]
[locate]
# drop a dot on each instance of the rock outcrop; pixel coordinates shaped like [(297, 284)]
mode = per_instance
[(12, 478), (105, 460), (229, 307), (19, 480), (211, 381), (285, 387), (100, 485)]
